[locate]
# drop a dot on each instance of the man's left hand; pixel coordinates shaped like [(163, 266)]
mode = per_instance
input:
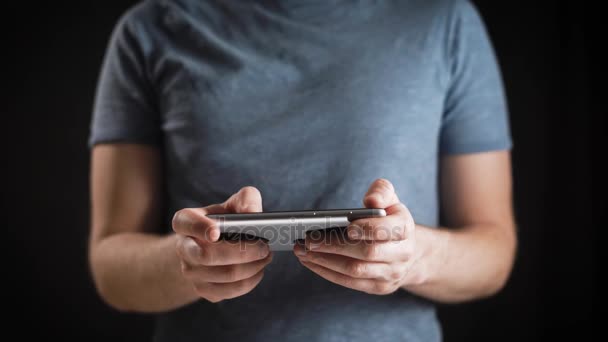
[(377, 256)]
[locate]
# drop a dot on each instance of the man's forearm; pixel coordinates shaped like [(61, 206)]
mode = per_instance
[(462, 264), (140, 272)]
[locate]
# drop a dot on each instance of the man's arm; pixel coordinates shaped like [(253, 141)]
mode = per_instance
[(137, 270), (470, 259), (474, 257), (134, 269)]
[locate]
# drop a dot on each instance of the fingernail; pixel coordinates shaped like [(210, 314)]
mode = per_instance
[(314, 246), (300, 251), (264, 252), (214, 234)]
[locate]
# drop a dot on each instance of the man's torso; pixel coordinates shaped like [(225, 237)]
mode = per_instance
[(309, 102)]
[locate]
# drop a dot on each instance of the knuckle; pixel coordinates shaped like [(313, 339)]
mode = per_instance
[(244, 286), (349, 282), (246, 255), (203, 255), (371, 251), (383, 288), (200, 289), (356, 268), (408, 252), (232, 273), (397, 233), (395, 275), (382, 233)]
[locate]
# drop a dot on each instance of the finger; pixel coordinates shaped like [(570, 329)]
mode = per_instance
[(225, 273), (379, 251), (194, 222), (381, 194), (352, 267), (365, 285), (223, 252), (247, 200), (221, 291), (397, 225)]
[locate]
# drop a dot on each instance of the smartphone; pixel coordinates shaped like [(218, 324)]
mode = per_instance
[(281, 229)]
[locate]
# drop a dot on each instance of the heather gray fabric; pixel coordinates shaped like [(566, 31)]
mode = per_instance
[(309, 101)]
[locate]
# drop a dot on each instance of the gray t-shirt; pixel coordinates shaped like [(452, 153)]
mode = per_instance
[(309, 101)]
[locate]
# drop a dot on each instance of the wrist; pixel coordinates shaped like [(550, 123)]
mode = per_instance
[(430, 256)]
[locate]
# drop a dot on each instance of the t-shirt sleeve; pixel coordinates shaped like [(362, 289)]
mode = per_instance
[(124, 108), (475, 117)]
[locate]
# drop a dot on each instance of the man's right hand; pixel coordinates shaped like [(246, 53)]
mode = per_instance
[(220, 269)]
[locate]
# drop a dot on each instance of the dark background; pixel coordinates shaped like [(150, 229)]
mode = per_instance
[(546, 52)]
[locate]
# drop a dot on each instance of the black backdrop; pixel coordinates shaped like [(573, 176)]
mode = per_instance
[(545, 51)]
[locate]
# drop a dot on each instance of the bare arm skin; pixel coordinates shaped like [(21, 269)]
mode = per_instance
[(471, 259), (475, 258), (135, 269)]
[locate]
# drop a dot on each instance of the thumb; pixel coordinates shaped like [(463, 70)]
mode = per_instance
[(381, 194), (194, 222), (246, 200)]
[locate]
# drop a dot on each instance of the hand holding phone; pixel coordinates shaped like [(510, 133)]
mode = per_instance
[(218, 269)]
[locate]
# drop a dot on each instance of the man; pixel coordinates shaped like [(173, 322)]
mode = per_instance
[(247, 106)]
